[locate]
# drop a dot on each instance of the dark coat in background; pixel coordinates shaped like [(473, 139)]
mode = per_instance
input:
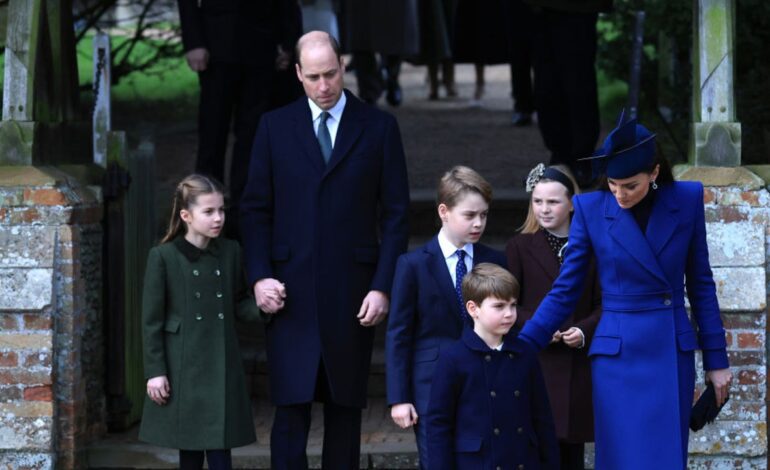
[(189, 303), (567, 371), (436, 30), (480, 35), (389, 27), (332, 233)]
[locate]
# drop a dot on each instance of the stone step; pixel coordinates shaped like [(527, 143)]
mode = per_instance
[(383, 444)]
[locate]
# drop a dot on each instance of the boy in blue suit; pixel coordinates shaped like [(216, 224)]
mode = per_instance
[(488, 405), (427, 312)]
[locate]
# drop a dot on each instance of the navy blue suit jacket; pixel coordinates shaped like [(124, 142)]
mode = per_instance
[(489, 409), (331, 232), (424, 319)]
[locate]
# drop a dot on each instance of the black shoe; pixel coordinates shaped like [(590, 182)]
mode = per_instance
[(394, 96), (521, 119)]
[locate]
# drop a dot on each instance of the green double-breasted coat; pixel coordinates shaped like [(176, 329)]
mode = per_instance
[(190, 301)]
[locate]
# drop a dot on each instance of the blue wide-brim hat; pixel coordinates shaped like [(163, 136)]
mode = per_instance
[(628, 150)]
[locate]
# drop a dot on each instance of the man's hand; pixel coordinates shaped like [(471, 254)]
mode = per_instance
[(198, 59), (158, 389), (573, 337), (282, 59), (404, 415), (373, 308), (270, 294), (721, 378)]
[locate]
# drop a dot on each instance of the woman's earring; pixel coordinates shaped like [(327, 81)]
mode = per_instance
[(654, 184)]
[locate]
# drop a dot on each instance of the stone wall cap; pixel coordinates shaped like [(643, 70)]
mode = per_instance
[(720, 176)]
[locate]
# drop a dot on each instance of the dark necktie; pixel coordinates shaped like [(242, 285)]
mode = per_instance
[(460, 271), (324, 137)]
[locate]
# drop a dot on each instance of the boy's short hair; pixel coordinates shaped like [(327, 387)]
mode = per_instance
[(459, 181), (489, 280)]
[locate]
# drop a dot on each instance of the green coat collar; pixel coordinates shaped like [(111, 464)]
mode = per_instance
[(192, 252)]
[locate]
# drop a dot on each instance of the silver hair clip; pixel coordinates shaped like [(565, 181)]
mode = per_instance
[(534, 177)]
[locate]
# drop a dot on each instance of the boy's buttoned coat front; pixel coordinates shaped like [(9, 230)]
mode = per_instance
[(489, 409), (190, 301)]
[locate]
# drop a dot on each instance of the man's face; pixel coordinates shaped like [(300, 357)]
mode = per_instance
[(321, 75)]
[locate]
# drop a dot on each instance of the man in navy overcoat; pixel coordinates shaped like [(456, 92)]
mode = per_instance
[(324, 218)]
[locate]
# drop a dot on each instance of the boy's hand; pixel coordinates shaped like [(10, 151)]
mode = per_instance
[(574, 337), (269, 294), (404, 415), (373, 308), (158, 389)]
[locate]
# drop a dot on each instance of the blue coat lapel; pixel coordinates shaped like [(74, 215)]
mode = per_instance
[(351, 126), (625, 231), (663, 220), (440, 273), (303, 127)]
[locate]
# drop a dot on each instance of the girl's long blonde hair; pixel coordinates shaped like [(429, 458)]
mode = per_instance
[(185, 195), (530, 224)]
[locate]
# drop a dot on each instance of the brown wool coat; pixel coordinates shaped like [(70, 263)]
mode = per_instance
[(567, 371), (190, 301)]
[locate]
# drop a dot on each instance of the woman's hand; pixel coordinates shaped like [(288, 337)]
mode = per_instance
[(404, 415), (721, 379), (158, 389)]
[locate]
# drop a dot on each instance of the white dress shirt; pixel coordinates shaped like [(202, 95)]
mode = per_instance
[(333, 121), (450, 255)]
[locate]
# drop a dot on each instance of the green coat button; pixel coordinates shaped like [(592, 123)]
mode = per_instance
[(221, 316), (217, 272), (195, 272), (219, 295), (197, 295), (199, 317)]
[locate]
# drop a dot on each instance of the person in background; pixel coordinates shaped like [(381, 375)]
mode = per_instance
[(234, 46), (535, 256)]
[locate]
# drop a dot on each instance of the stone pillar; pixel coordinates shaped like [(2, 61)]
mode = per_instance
[(738, 230), (716, 133), (51, 357)]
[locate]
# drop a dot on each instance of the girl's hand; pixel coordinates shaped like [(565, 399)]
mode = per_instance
[(404, 415), (158, 389), (573, 337), (721, 379), (556, 337)]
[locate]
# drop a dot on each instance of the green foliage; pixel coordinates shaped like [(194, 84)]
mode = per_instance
[(666, 81)]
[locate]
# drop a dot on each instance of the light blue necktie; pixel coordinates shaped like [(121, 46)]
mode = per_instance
[(324, 137)]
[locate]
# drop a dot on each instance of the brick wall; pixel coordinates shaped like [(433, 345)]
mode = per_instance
[(51, 371), (738, 231)]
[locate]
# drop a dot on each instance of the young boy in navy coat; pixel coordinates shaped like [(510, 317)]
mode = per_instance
[(488, 405), (427, 312)]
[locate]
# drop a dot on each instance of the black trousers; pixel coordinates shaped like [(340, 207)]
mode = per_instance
[(217, 459), (572, 455), (232, 96), (519, 31), (565, 83), (373, 76), (342, 433)]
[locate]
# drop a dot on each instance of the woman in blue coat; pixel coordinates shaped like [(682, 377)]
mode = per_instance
[(648, 235)]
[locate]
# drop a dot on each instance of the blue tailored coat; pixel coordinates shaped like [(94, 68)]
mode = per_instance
[(642, 350), (489, 409), (424, 319), (331, 233)]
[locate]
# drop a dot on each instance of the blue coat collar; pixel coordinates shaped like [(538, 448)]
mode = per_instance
[(644, 247)]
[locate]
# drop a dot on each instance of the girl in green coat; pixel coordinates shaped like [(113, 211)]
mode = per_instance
[(194, 287)]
